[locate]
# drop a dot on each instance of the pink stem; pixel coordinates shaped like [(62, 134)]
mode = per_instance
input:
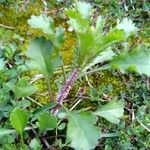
[(64, 91)]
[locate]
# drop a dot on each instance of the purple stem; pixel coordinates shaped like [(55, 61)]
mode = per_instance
[(64, 91)]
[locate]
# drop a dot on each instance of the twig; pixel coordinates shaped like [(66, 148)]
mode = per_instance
[(147, 82), (133, 115), (40, 76), (85, 109), (88, 82), (46, 143), (80, 100), (143, 126), (36, 77), (34, 101), (8, 27)]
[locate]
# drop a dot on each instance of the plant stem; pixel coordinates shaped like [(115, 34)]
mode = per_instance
[(34, 101), (22, 141), (49, 89)]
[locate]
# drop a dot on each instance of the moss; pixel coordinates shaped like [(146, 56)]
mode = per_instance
[(106, 78), (67, 50), (39, 84)]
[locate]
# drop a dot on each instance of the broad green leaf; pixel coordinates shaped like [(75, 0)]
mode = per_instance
[(43, 56), (128, 26), (137, 60), (112, 111), (47, 121), (82, 131), (4, 132), (19, 119), (36, 113), (22, 88), (42, 22)]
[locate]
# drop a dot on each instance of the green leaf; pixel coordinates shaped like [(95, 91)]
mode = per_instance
[(35, 144), (59, 37), (47, 121), (19, 119), (91, 40), (42, 22), (23, 103), (2, 64), (111, 111), (137, 60), (46, 24), (40, 110), (102, 57), (9, 146), (4, 132), (78, 16), (128, 26), (43, 56), (22, 88), (99, 25), (84, 9), (85, 44), (112, 37), (82, 131)]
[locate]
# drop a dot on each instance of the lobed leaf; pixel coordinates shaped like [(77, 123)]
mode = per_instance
[(82, 131), (42, 22), (111, 111), (127, 25), (137, 60), (84, 9), (43, 56)]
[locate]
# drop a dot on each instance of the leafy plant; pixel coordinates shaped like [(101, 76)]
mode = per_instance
[(130, 61), (115, 108), (44, 58), (47, 122), (19, 120), (100, 45), (22, 88), (82, 131)]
